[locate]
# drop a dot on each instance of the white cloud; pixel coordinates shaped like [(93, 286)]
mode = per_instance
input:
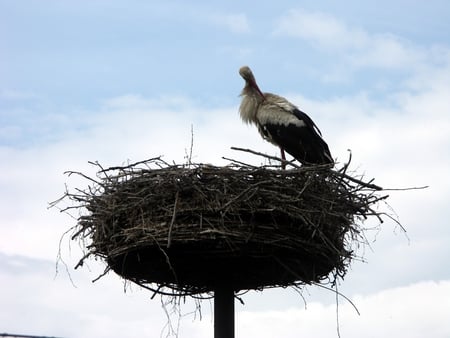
[(236, 23), (417, 310), (320, 28), (357, 47), (238, 53), (54, 307), (101, 309), (132, 102), (12, 94)]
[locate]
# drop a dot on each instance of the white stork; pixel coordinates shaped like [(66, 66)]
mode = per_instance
[(282, 123)]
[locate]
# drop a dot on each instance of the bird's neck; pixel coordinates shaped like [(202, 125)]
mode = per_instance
[(251, 100)]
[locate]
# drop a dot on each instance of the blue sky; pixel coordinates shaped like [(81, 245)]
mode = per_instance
[(122, 81), (77, 53)]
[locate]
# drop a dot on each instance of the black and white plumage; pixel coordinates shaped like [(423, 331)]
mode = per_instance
[(282, 123)]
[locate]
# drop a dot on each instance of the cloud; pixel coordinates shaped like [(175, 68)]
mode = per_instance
[(236, 23), (236, 52), (132, 102), (11, 94), (55, 307), (320, 28), (354, 46), (384, 314)]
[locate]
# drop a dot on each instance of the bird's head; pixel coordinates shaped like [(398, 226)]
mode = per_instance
[(250, 81)]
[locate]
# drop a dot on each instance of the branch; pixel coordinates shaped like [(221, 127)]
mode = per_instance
[(266, 156), (362, 183), (174, 215)]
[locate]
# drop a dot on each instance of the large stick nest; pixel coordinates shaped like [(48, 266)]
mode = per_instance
[(189, 228)]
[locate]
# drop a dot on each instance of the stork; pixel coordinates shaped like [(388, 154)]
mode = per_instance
[(282, 124)]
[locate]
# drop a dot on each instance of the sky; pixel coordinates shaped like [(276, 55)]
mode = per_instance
[(119, 82)]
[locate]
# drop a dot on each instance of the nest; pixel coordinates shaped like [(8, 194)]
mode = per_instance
[(189, 228)]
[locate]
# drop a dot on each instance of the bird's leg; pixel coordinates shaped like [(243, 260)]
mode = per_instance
[(283, 158)]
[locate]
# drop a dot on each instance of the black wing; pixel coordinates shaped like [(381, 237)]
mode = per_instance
[(304, 143), (305, 118)]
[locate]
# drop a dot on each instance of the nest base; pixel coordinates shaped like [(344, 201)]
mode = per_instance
[(183, 267)]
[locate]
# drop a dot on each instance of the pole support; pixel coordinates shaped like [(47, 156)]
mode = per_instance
[(223, 312)]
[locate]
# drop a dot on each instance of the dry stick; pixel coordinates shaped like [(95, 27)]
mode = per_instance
[(340, 294), (81, 262), (101, 275), (158, 291), (318, 284), (242, 193), (127, 166), (406, 189), (266, 156), (343, 173), (69, 173), (239, 162), (189, 159), (101, 169), (345, 167), (338, 330), (63, 197), (162, 251), (174, 215), (341, 179), (60, 259), (249, 166), (362, 183), (354, 180)]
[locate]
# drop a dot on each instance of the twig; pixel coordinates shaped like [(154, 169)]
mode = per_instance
[(346, 165), (340, 294), (338, 329), (238, 162), (69, 173), (132, 165), (81, 261), (102, 274), (362, 183), (242, 193), (174, 215), (406, 189), (266, 156), (189, 156)]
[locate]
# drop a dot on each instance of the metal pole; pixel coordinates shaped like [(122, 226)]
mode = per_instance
[(223, 312)]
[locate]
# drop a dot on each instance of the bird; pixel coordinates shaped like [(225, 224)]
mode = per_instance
[(283, 124)]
